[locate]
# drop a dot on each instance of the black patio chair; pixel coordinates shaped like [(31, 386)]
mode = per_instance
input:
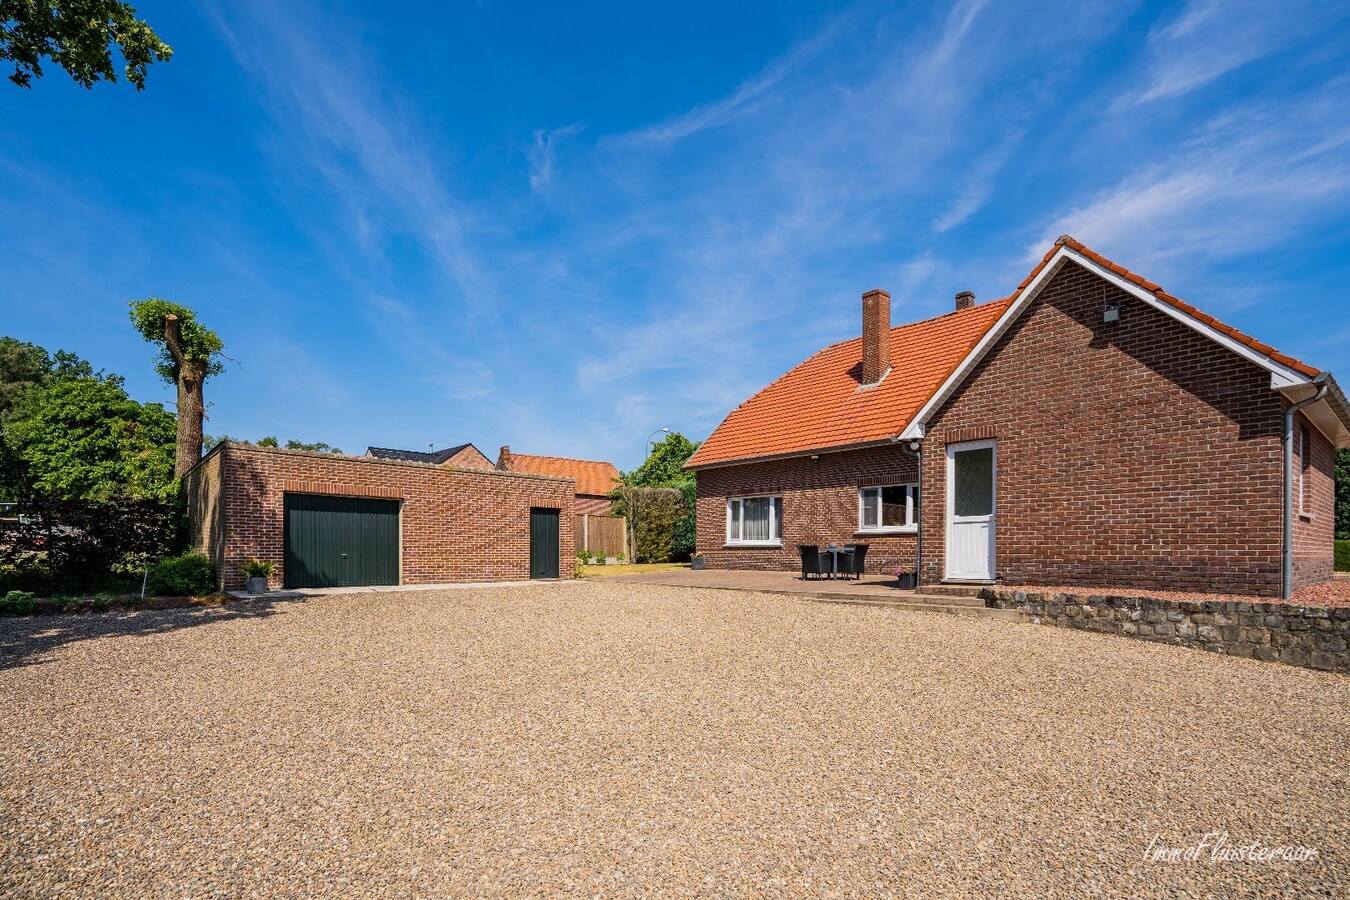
[(811, 561), (857, 558)]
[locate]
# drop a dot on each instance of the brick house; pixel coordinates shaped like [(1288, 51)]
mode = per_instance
[(1089, 429), (328, 520), (595, 479), (464, 456)]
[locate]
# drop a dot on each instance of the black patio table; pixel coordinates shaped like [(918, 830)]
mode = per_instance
[(835, 551)]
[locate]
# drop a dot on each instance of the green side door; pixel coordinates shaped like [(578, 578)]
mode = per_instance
[(340, 541), (543, 543)]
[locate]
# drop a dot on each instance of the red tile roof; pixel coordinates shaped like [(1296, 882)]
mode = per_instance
[(592, 476), (818, 406)]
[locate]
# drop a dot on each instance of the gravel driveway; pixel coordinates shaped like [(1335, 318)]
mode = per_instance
[(628, 739)]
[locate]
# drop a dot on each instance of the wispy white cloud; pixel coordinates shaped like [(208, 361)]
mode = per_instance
[(1208, 39), (542, 154), (976, 185), (1247, 181)]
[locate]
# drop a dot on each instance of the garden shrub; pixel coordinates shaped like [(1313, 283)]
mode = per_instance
[(53, 547), (17, 603), (1343, 556), (181, 576)]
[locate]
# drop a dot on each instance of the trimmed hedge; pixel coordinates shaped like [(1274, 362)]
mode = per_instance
[(188, 575), (1343, 556)]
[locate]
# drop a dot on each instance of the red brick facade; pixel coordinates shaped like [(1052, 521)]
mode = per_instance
[(470, 458), (820, 506), (455, 525), (1136, 452)]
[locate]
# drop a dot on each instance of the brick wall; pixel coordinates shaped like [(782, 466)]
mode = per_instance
[(1134, 453), (456, 525), (470, 458), (820, 505), (1315, 532)]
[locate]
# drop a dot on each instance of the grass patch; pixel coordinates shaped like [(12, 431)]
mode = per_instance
[(629, 569), (1343, 556)]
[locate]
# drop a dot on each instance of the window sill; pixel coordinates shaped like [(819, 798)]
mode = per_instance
[(905, 529), (732, 545), (1306, 517)]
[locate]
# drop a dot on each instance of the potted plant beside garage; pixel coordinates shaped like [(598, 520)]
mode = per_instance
[(257, 572), (907, 578)]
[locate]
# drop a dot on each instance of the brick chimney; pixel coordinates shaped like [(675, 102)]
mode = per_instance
[(965, 300), (504, 459), (876, 361)]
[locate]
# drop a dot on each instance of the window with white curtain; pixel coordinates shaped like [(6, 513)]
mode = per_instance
[(893, 507), (755, 520)]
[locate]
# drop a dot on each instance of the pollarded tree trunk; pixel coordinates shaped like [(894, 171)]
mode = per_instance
[(191, 407)]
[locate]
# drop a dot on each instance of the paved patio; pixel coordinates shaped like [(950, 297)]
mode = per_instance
[(867, 587)]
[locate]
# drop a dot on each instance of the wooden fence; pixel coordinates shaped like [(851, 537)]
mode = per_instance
[(602, 534)]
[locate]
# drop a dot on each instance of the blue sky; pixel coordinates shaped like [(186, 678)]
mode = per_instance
[(561, 226)]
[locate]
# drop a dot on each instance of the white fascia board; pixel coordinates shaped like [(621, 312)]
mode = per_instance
[(1281, 376), (919, 424)]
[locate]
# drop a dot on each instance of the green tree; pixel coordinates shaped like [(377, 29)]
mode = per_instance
[(661, 523), (77, 35), (190, 353), (24, 368), (1343, 494), (85, 439), (664, 466), (317, 447)]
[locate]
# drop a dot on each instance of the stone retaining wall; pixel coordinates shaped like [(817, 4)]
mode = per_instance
[(1312, 636)]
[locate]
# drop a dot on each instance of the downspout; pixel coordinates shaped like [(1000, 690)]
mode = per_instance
[(1287, 560), (917, 450)]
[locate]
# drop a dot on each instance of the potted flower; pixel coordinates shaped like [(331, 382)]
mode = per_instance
[(907, 577), (696, 562), (257, 572)]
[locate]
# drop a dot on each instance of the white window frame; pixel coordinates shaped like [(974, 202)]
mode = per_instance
[(775, 525), (911, 509)]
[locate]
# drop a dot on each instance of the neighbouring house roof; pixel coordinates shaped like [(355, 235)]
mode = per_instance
[(819, 406), (436, 457), (592, 476)]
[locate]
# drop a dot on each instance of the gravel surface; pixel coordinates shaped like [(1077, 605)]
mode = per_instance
[(619, 739)]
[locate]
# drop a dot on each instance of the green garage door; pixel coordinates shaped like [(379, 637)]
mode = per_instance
[(543, 543), (340, 541)]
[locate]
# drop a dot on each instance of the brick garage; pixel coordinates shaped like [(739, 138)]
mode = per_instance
[(455, 525), (1134, 441)]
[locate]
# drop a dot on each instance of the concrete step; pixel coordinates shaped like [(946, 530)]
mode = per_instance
[(933, 605), (953, 590)]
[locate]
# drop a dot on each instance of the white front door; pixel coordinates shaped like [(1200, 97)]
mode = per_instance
[(972, 471)]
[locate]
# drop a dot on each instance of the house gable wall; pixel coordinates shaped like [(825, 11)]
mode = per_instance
[(470, 458), (1134, 453), (820, 505)]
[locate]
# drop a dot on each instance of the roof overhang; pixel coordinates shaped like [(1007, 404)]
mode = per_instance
[(794, 454), (1330, 415), (1282, 377)]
